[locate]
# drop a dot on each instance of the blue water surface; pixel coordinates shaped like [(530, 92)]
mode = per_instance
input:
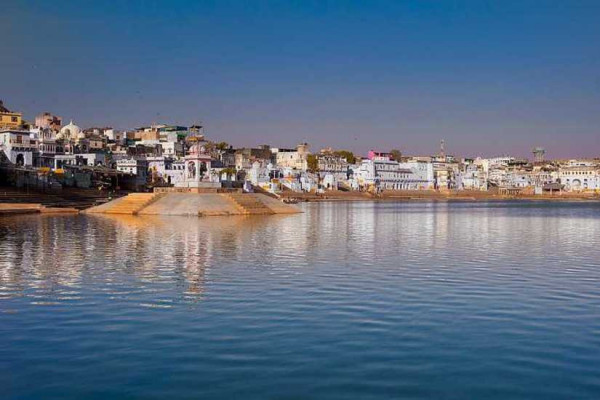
[(347, 300)]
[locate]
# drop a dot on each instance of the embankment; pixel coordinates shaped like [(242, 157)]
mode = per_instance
[(194, 204), (431, 195)]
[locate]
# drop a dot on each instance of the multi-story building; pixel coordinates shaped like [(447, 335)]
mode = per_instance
[(114, 136), (135, 166), (80, 159), (333, 169), (47, 120), (421, 178), (471, 177), (381, 172), (580, 178), (244, 158), (295, 159), (18, 146), (9, 119), (442, 178), (47, 146)]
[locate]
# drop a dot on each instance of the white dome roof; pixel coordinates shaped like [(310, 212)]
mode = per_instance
[(70, 131)]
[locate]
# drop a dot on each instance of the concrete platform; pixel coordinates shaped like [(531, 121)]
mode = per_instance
[(32, 208), (195, 204)]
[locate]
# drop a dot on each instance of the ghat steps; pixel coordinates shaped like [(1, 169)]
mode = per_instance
[(65, 198), (130, 204), (195, 204), (32, 208), (249, 204)]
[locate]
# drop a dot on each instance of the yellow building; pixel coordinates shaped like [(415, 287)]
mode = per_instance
[(9, 119)]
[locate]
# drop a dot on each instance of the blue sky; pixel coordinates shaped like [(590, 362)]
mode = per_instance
[(490, 78)]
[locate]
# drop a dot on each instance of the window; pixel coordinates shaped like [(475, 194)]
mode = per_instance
[(14, 119)]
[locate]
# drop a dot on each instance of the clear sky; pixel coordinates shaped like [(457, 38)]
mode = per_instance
[(489, 77)]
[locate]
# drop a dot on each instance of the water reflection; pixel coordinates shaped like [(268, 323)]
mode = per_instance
[(415, 299), (44, 257)]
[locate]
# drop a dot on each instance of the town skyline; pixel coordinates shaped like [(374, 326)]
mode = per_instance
[(359, 153), (489, 78)]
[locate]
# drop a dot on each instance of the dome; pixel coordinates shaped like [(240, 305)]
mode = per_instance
[(70, 131)]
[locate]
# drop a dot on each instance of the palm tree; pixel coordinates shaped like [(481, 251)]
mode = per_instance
[(229, 172)]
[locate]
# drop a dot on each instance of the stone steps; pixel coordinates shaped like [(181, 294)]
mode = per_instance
[(66, 198), (32, 208), (133, 203), (194, 204), (249, 204)]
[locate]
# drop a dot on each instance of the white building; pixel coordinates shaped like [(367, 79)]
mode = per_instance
[(47, 146), (332, 170), (582, 178), (166, 169), (132, 166), (292, 158), (176, 173), (259, 174), (520, 179), (169, 149), (91, 159), (383, 173), (114, 136), (18, 146), (422, 177), (582, 163)]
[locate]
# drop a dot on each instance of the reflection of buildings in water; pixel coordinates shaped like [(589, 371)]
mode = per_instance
[(171, 250), (35, 256), (57, 258), (53, 252), (440, 215), (196, 250)]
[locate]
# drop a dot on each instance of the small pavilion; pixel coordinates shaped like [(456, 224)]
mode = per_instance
[(198, 172)]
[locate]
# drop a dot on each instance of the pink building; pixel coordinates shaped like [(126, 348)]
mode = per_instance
[(47, 120), (378, 154)]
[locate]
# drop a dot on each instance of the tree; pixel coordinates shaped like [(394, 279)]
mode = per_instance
[(211, 149), (209, 146), (348, 155), (230, 173), (312, 163), (396, 154), (222, 146)]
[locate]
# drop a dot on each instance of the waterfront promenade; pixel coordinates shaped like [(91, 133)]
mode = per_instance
[(13, 201), (433, 195)]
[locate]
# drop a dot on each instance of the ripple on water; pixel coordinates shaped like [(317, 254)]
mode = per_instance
[(362, 300)]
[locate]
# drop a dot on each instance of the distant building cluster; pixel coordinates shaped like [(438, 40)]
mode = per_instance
[(180, 156)]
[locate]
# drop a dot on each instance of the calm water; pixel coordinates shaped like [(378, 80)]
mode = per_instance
[(357, 300)]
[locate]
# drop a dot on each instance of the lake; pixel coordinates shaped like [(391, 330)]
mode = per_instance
[(348, 300)]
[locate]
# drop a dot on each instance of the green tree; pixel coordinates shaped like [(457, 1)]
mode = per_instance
[(211, 148), (230, 173), (222, 146), (396, 154), (348, 155), (312, 163)]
